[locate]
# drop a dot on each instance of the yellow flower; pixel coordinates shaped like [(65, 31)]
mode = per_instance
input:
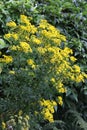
[(48, 109), (72, 77), (47, 115), (36, 40), (11, 24), (25, 47), (24, 28), (43, 24), (7, 36), (41, 50), (76, 68), (54, 103), (6, 59), (15, 48), (72, 58), (52, 80), (60, 101), (80, 78), (60, 84), (61, 90), (15, 36), (67, 50), (62, 37), (24, 19), (57, 41), (85, 75), (33, 29), (31, 63)]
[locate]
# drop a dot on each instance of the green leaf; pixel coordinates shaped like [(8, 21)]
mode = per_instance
[(68, 92), (75, 96), (2, 44)]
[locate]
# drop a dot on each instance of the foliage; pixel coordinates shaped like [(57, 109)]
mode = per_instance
[(76, 121), (35, 68), (66, 14), (70, 17), (11, 10)]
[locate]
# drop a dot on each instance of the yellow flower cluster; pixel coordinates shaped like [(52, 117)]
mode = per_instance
[(41, 50), (14, 36), (24, 19), (7, 36), (51, 32), (31, 63), (36, 40), (28, 27), (58, 85), (72, 58), (15, 47), (11, 35), (60, 100), (79, 78), (6, 59), (25, 47), (11, 24), (76, 68), (48, 39), (48, 109)]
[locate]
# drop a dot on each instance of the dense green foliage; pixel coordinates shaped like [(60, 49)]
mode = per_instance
[(70, 17)]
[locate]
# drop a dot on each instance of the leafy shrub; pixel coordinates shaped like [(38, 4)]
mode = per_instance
[(35, 69), (76, 120), (70, 17)]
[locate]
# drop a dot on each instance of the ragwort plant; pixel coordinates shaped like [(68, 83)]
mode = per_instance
[(71, 17), (34, 70)]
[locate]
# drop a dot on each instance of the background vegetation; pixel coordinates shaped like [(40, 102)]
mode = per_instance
[(70, 17)]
